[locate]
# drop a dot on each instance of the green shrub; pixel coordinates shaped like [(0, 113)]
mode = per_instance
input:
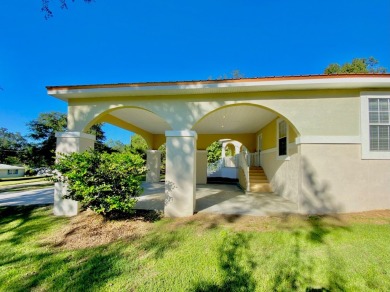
[(108, 184)]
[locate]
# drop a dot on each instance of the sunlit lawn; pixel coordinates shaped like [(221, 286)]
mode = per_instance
[(202, 253), (11, 182)]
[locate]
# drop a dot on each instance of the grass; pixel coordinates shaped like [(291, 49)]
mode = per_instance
[(41, 252), (23, 181)]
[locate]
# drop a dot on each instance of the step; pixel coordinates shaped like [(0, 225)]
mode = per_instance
[(256, 171), (258, 181), (257, 175), (255, 167), (261, 187)]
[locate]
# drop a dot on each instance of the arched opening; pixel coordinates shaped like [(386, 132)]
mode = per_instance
[(163, 166), (267, 141), (230, 150), (222, 161), (238, 118), (135, 120)]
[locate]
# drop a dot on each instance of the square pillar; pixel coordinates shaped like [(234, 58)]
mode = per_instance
[(153, 163), (201, 167), (180, 177), (68, 142)]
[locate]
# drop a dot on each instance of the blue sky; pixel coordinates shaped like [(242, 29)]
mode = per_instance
[(113, 41)]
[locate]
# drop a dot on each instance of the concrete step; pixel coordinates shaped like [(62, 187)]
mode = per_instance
[(255, 167), (256, 170), (260, 187), (258, 181), (257, 175)]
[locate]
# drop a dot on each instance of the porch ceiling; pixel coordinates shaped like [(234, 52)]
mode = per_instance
[(238, 119), (143, 119), (235, 120)]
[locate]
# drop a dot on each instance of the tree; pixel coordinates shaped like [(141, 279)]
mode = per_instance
[(46, 7), (235, 74), (115, 145), (358, 65), (43, 130), (12, 147), (214, 152), (138, 145)]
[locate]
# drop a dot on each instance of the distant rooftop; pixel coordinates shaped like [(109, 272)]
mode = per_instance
[(6, 166)]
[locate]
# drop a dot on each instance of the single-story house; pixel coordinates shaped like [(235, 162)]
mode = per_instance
[(7, 171), (323, 141)]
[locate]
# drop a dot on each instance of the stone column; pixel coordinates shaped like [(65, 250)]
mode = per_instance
[(153, 163), (68, 142), (180, 177), (201, 167)]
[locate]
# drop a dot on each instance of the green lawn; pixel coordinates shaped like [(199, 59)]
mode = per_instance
[(19, 181), (41, 252)]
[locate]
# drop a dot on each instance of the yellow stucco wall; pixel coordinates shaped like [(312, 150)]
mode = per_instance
[(248, 140), (268, 135)]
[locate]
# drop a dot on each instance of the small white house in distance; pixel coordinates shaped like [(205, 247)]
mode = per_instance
[(7, 171)]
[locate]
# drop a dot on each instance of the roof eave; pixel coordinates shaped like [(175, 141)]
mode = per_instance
[(220, 86)]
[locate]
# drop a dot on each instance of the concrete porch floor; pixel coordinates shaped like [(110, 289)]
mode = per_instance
[(221, 199)]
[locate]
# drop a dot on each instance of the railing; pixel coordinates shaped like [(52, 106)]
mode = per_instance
[(231, 161), (253, 159), (243, 165)]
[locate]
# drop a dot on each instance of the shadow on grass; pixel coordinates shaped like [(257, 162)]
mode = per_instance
[(25, 221), (298, 273), (138, 215), (26, 265), (236, 265), (84, 270), (158, 243)]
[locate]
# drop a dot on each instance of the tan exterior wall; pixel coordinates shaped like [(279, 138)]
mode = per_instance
[(283, 175), (291, 134), (335, 178), (329, 178)]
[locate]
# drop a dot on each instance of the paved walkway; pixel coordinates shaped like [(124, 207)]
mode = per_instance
[(210, 198), (222, 199), (32, 197)]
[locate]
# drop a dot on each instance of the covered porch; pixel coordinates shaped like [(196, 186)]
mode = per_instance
[(221, 199)]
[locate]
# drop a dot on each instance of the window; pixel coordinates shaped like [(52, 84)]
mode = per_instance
[(379, 124), (375, 125), (13, 171), (282, 138)]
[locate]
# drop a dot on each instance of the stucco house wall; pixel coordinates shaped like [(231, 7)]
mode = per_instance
[(327, 167)]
